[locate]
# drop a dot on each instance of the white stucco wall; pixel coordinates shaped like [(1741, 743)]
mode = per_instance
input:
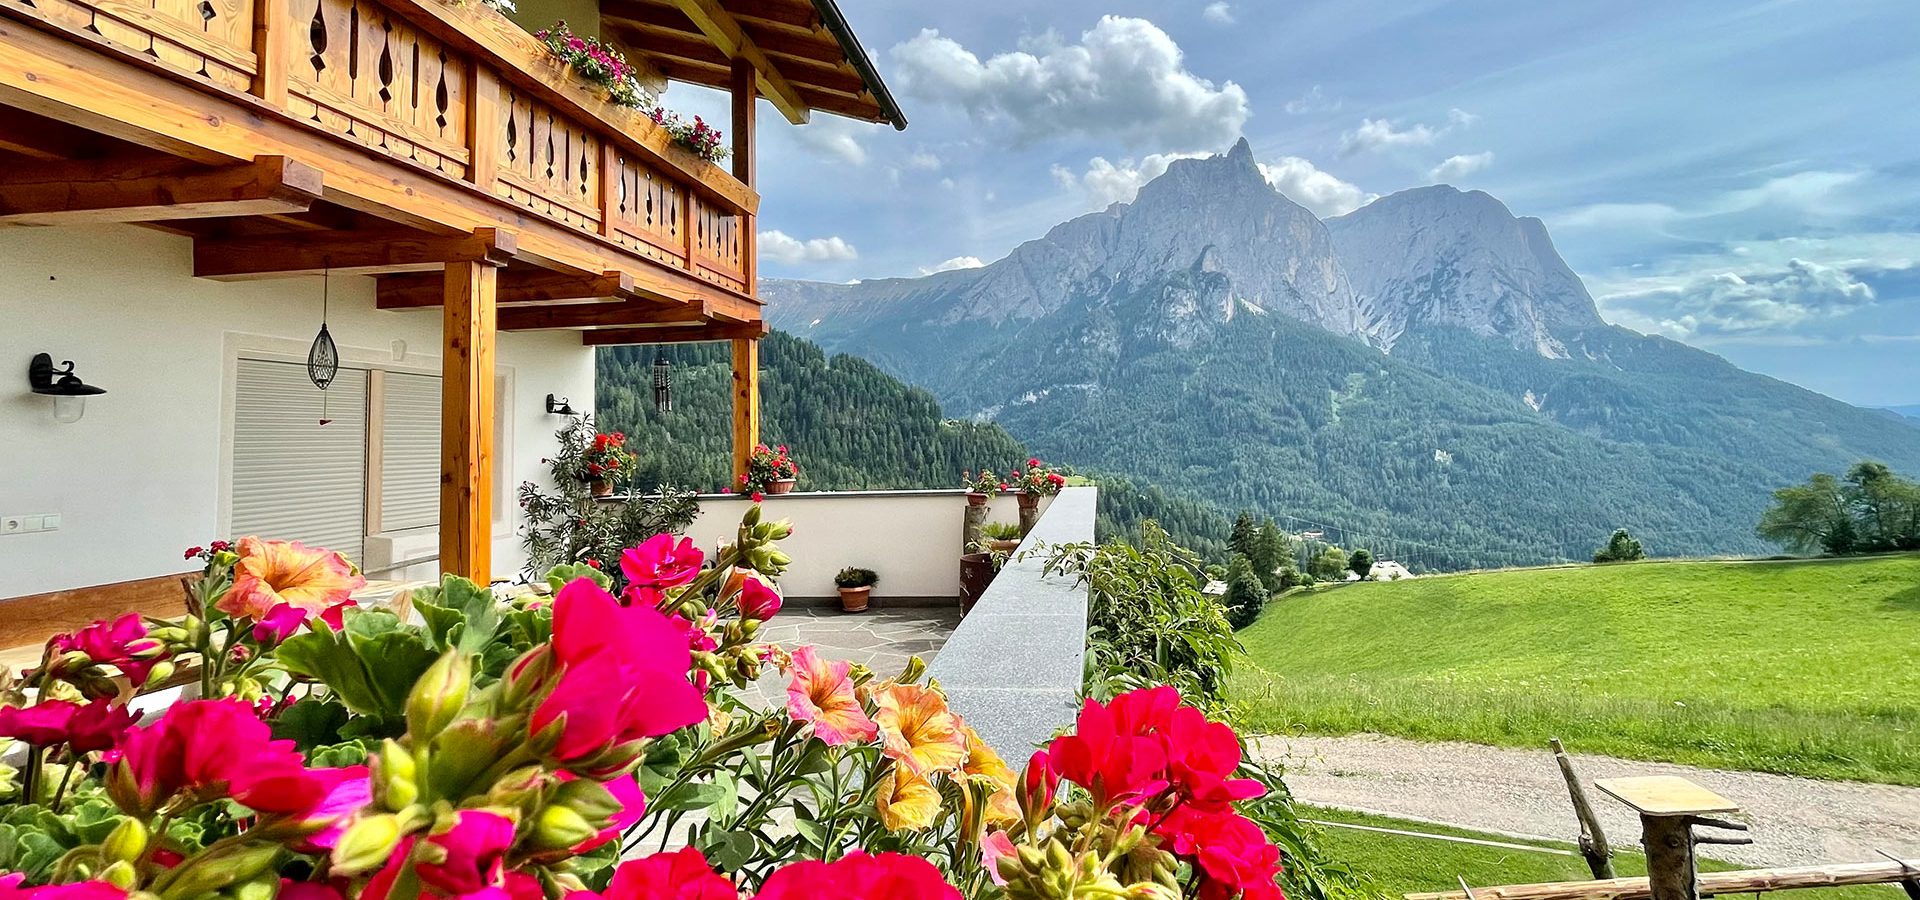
[(141, 476), (911, 539)]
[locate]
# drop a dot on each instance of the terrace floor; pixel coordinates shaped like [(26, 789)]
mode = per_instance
[(880, 639)]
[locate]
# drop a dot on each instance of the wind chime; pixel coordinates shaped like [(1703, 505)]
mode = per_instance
[(323, 359), (662, 384)]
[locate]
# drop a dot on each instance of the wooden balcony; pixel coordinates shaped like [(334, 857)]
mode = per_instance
[(416, 114)]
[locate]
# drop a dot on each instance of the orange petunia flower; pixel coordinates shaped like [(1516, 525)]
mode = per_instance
[(1002, 807), (821, 694), (918, 730), (907, 802), (270, 573)]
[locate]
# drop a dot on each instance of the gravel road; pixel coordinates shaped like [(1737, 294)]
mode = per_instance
[(1796, 821)]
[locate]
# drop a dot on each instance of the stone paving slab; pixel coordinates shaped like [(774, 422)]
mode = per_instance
[(880, 639)]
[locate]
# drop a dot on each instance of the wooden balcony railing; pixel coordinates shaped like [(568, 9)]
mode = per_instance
[(458, 91)]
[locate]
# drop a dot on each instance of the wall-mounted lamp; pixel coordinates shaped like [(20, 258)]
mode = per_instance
[(662, 384), (560, 407), (69, 393)]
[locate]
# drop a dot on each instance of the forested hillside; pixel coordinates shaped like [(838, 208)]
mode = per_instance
[(850, 426)]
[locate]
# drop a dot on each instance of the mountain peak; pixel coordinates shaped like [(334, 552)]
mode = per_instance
[(1241, 151)]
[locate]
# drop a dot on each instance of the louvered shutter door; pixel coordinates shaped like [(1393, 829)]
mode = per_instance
[(293, 478), (410, 452)]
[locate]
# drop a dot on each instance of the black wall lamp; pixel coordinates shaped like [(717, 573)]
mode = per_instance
[(560, 407), (69, 393)]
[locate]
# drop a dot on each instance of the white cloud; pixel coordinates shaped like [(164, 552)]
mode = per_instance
[(1124, 79), (1314, 100), (1219, 13), (1460, 166), (1305, 184), (781, 247), (836, 138), (923, 161), (1106, 182), (1736, 305), (958, 262), (1379, 134)]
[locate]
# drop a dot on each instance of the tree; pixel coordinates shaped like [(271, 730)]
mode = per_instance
[(1885, 508), (1245, 533), (1361, 562), (1621, 547), (1246, 596), (1271, 549), (1330, 565), (1809, 518)]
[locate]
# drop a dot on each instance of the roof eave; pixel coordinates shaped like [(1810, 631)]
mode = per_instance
[(836, 23)]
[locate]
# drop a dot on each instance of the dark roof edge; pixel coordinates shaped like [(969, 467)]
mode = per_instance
[(857, 55)]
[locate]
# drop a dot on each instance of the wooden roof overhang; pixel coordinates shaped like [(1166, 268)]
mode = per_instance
[(803, 52), (274, 170)]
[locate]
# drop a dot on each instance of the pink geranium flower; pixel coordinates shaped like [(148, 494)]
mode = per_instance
[(757, 600), (859, 876), (84, 728), (680, 875), (270, 573), (122, 643), (11, 889), (199, 747), (622, 674), (662, 563), (821, 694), (315, 803)]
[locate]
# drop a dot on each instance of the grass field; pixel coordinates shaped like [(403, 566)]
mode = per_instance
[(1398, 865), (1803, 667)]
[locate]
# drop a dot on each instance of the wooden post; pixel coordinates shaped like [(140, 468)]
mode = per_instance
[(746, 166), (1593, 839), (1669, 806), (466, 421), (1671, 871), (973, 530), (484, 127), (272, 50), (746, 402)]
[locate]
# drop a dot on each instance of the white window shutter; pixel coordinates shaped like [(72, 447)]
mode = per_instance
[(293, 478), (409, 451)]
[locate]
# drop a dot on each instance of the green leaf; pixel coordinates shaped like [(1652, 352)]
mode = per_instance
[(393, 662), (311, 723), (327, 657), (693, 795), (559, 576), (459, 613), (350, 753)]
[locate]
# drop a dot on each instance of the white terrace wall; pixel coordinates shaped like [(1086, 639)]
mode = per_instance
[(140, 477), (912, 539)]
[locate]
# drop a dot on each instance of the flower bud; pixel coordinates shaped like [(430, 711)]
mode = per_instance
[(752, 517), (781, 530), (526, 677), (395, 777), (126, 843), (590, 799), (439, 695), (559, 827), (916, 667), (206, 874), (121, 875), (367, 844), (160, 672)]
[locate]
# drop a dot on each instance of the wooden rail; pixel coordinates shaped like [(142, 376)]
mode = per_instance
[(457, 92), (1711, 883)]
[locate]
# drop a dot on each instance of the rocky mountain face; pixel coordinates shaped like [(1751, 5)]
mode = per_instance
[(1425, 369)]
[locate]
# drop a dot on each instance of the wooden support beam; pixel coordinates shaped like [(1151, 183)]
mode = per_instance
[(149, 189), (466, 420), (746, 402), (675, 334), (726, 33), (746, 166), (603, 315), (418, 291), (349, 253)]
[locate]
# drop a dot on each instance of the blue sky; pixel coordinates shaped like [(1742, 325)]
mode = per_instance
[(1744, 177)]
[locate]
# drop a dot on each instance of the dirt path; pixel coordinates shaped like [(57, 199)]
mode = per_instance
[(1796, 821)]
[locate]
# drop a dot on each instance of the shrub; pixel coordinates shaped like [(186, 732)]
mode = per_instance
[(1621, 547), (1246, 596), (1330, 565), (567, 526), (1361, 562), (851, 577)]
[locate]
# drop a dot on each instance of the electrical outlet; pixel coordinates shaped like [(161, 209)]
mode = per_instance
[(13, 525)]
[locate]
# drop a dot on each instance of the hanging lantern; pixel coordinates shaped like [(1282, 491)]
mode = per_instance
[(323, 358), (662, 384)]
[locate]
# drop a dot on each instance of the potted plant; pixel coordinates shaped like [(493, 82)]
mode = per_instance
[(1001, 537), (605, 460), (856, 588), (769, 471), (981, 488), (597, 62)]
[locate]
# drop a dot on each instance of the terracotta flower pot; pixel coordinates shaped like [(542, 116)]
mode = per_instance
[(1029, 501), (780, 486), (855, 599), (602, 487), (976, 573), (975, 498), (1003, 546)]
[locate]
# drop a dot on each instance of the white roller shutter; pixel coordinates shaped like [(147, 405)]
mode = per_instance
[(293, 478), (409, 451)]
